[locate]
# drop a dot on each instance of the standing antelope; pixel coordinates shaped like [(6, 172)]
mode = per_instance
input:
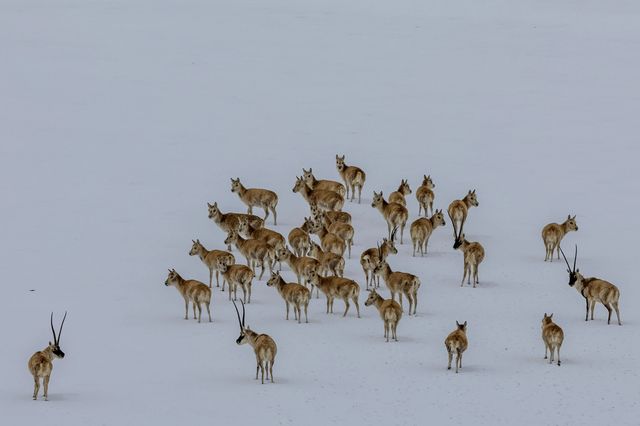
[(332, 287), (328, 185), (256, 252), (400, 283), (552, 336), (299, 238), (231, 221), (329, 241), (396, 215), (456, 342), (334, 216), (300, 265), (329, 262), (41, 363), (425, 196), (370, 258), (256, 197), (553, 233), (273, 238), (263, 346), (421, 230), (352, 176), (473, 256), (458, 210), (342, 230), (398, 196), (293, 294), (593, 290), (322, 199), (237, 276), (210, 259), (191, 291), (390, 312)]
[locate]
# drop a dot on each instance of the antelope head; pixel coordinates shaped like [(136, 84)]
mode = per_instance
[(55, 346), (213, 210), (307, 176), (373, 296), (426, 181), (570, 223), (195, 248), (547, 319), (231, 238), (473, 199), (378, 199), (462, 327), (340, 163), (300, 184), (235, 185)]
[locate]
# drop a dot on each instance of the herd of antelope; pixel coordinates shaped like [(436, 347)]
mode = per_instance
[(320, 265)]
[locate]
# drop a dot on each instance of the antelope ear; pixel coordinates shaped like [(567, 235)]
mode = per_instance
[(465, 324), (545, 315), (457, 323), (49, 342), (169, 270), (574, 216), (209, 205), (568, 216), (551, 316), (424, 176), (310, 170)]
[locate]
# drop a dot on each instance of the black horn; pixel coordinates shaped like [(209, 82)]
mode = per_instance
[(565, 260), (238, 313), (55, 340), (575, 258), (61, 324)]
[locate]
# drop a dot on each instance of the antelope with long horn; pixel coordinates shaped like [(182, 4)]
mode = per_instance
[(263, 345), (293, 294), (552, 336), (370, 258), (396, 215), (553, 233), (473, 255), (328, 185), (593, 290), (425, 196), (421, 230), (458, 210), (389, 310), (456, 343), (398, 196), (352, 176), (191, 291), (210, 259), (41, 362), (256, 197)]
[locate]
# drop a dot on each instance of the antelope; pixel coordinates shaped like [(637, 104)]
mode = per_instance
[(334, 216), (553, 233), (458, 210), (370, 258), (593, 290), (329, 241), (41, 363), (300, 265), (273, 238), (552, 336), (191, 291), (299, 238), (456, 342), (421, 230), (390, 312), (342, 230), (332, 287), (329, 262), (322, 199), (237, 276), (263, 346), (398, 196), (231, 221), (294, 294), (399, 283), (256, 197), (473, 256), (352, 176), (256, 252), (328, 185), (425, 195), (210, 259), (394, 214)]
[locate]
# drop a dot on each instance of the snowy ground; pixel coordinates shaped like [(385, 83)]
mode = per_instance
[(121, 119)]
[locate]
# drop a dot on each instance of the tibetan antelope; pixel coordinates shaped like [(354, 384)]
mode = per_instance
[(231, 221), (321, 198), (334, 216), (352, 176), (191, 291), (553, 233), (394, 214), (456, 343), (421, 230), (263, 346), (593, 290), (370, 258), (398, 196), (41, 362), (458, 210), (324, 184), (329, 262), (300, 265), (342, 230), (473, 255), (337, 287), (293, 294), (425, 196), (237, 276), (552, 336), (273, 238), (299, 238), (257, 252), (256, 197), (390, 312), (329, 241), (400, 283), (210, 259)]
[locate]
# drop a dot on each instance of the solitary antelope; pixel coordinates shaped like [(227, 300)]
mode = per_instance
[(473, 256), (322, 199), (352, 176), (299, 238), (300, 265), (394, 214), (257, 252), (191, 291), (329, 241), (41, 363), (421, 230), (390, 312), (210, 259), (329, 262), (398, 196), (334, 216), (458, 210), (425, 196), (400, 283), (370, 258), (593, 290), (293, 294), (231, 221), (456, 343), (553, 233), (552, 336), (256, 197), (332, 287), (263, 345), (237, 276), (324, 184), (342, 230)]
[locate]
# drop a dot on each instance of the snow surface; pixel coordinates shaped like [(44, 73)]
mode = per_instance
[(121, 119)]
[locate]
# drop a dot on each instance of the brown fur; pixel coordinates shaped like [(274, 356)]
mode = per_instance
[(330, 242), (370, 258), (337, 287), (256, 197), (458, 210), (596, 290), (396, 215), (210, 259), (328, 185), (237, 276), (390, 312), (352, 176), (334, 216), (300, 265), (421, 230), (400, 283), (456, 343), (552, 336), (263, 346), (329, 262), (40, 366), (342, 230), (473, 256), (231, 221), (257, 252), (299, 238), (425, 196), (553, 233), (293, 294), (323, 199), (191, 291), (398, 196)]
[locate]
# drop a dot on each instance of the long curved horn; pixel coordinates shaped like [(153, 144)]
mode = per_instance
[(393, 234), (61, 324), (237, 313), (242, 313), (55, 340), (565, 260), (575, 258)]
